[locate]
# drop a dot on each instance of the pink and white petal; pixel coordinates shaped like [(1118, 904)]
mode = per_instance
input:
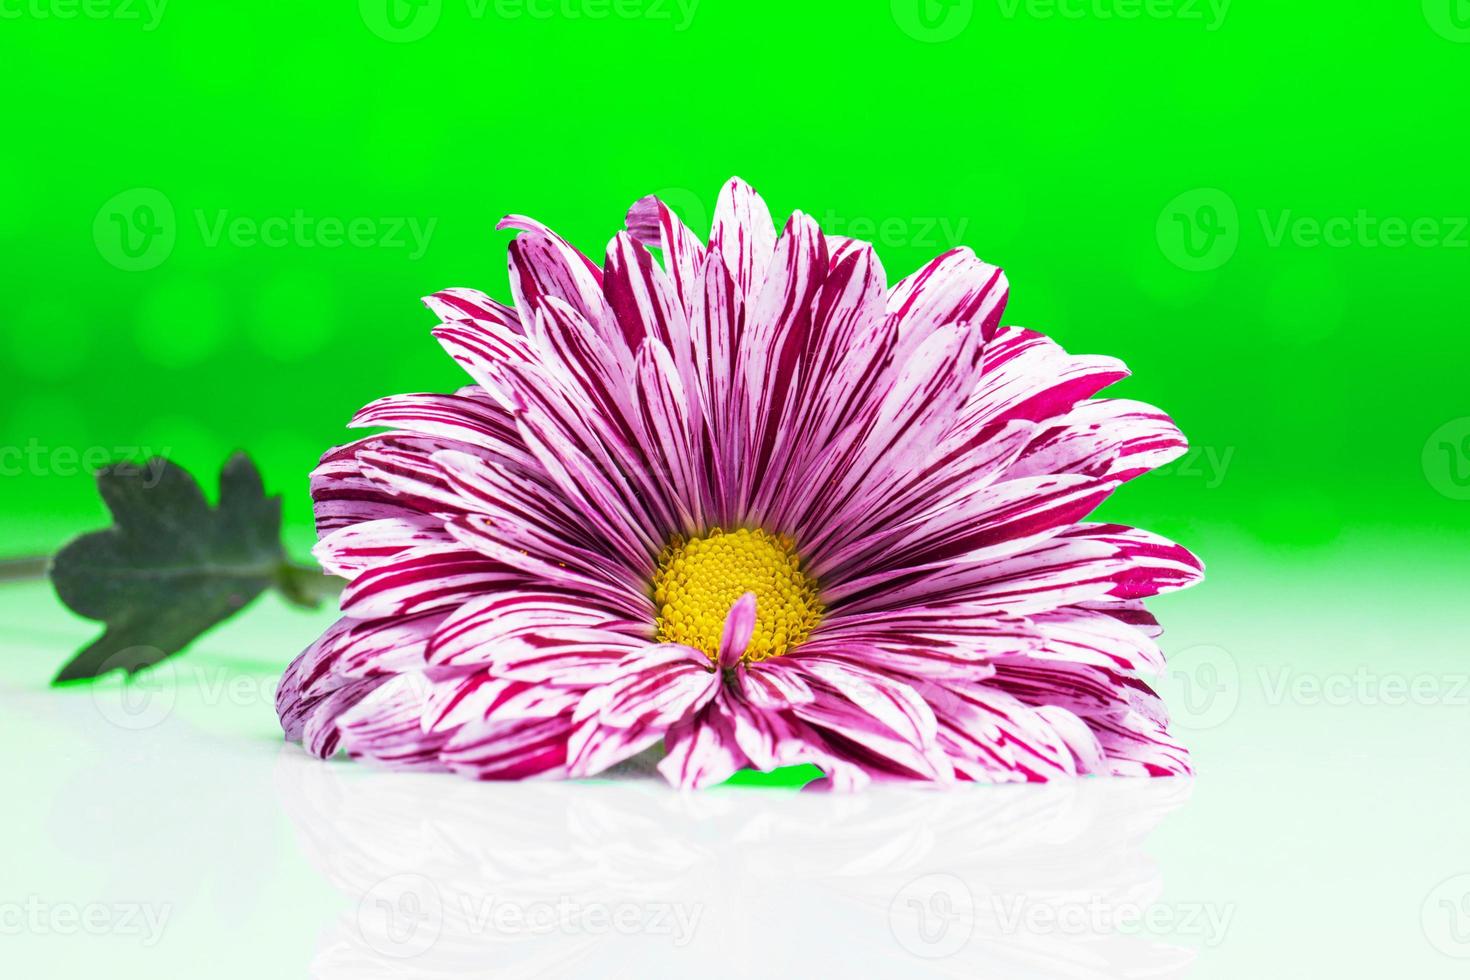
[(776, 356), (342, 495), (591, 465), (593, 747), (999, 523), (1057, 572), (902, 427), (743, 235), (1083, 690), (882, 716), (483, 350), (387, 727), (459, 303), (658, 685), (1026, 375), (1080, 738), (479, 422), (672, 430), (1136, 745), (515, 748), (954, 287), (645, 302), (319, 732), (738, 629), (716, 324), (423, 579), (351, 550), (1105, 437), (651, 222), (957, 471), (375, 648), (773, 685), (460, 698), (1090, 636), (535, 521), (404, 467), (991, 736), (1156, 564), (702, 750), (536, 563), (957, 646), (537, 637), (543, 264)]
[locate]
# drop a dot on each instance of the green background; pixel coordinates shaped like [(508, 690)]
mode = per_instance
[(1321, 384), (1313, 378)]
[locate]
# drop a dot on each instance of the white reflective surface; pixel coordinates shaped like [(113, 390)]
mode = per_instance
[(163, 830)]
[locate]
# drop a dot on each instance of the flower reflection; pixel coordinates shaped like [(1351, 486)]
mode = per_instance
[(446, 878)]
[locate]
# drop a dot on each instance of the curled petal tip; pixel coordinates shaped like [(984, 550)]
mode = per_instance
[(739, 628)]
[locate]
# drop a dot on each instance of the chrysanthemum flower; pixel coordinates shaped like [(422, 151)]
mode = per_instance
[(750, 502)]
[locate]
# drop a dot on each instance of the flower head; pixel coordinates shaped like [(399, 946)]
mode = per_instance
[(750, 502)]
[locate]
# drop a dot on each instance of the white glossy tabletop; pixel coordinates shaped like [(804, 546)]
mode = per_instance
[(166, 831)]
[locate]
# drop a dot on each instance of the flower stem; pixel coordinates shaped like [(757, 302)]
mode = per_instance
[(24, 569), (307, 585), (304, 585)]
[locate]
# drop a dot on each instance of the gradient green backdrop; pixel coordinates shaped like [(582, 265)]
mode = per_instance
[(1320, 374)]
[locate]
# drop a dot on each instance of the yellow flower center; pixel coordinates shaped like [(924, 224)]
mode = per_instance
[(699, 579)]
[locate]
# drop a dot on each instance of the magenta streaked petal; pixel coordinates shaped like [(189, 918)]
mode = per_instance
[(743, 235), (537, 638), (739, 627), (351, 550), (387, 725), (652, 223), (1156, 564), (423, 579), (519, 748), (955, 287), (458, 303), (774, 684), (702, 750), (1106, 437)]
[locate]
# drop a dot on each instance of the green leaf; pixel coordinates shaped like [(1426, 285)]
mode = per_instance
[(171, 566)]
